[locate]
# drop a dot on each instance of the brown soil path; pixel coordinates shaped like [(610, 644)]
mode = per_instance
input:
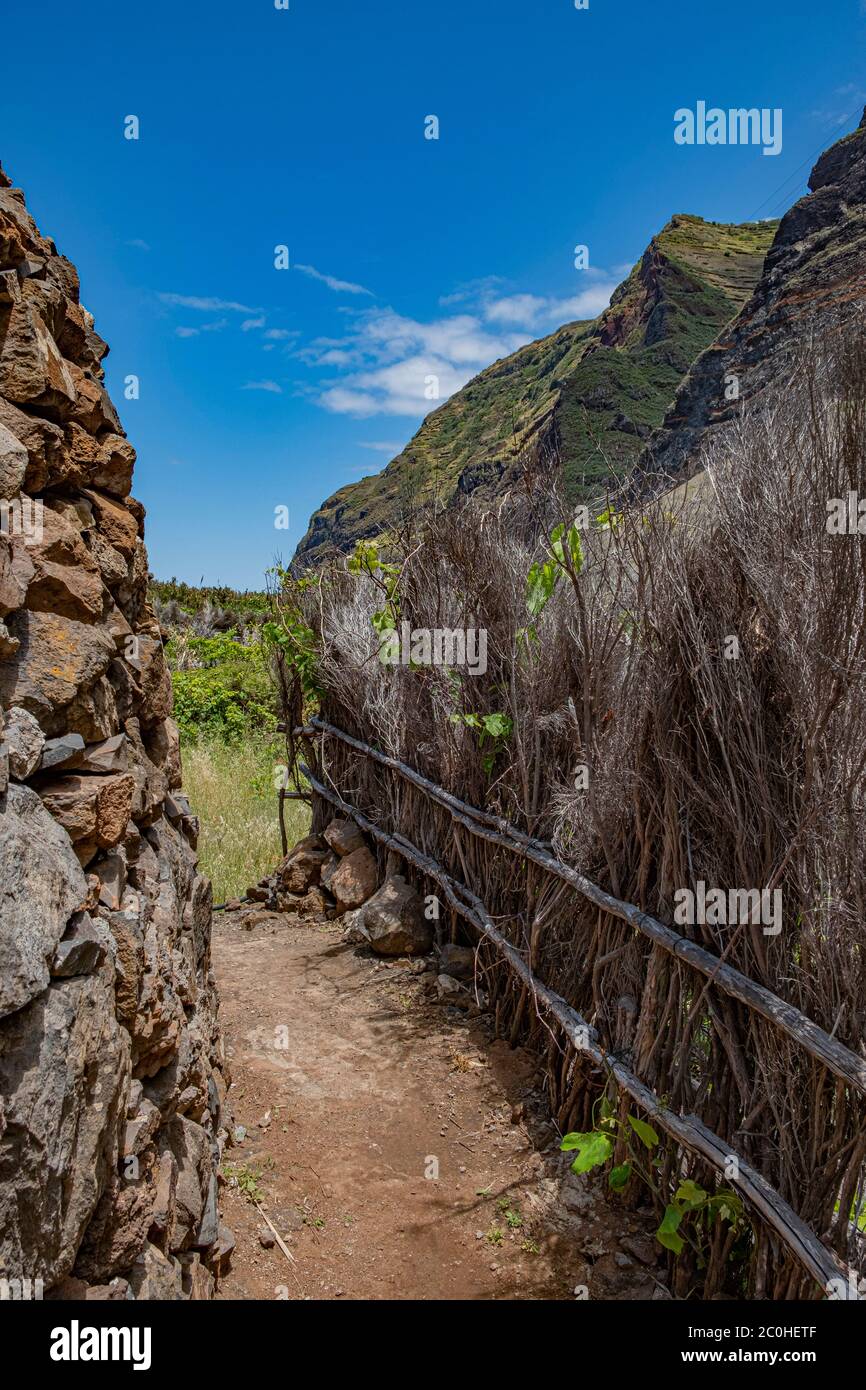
[(352, 1084)]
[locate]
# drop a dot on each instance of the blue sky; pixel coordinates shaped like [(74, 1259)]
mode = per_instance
[(265, 388)]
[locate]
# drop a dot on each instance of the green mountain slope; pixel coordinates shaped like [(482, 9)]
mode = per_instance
[(591, 392)]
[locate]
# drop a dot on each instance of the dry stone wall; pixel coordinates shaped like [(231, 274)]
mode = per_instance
[(112, 1079)]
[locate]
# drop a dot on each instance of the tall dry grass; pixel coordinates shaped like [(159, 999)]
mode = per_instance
[(231, 789)]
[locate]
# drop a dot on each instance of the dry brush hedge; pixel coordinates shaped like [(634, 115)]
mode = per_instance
[(617, 721)]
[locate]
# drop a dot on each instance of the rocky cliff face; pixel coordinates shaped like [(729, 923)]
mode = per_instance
[(111, 1079), (590, 394), (813, 287)]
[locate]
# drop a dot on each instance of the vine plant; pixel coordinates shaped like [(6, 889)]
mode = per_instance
[(288, 632), (690, 1218), (366, 560)]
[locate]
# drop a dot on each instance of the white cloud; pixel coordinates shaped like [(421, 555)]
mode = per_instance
[(404, 366), (545, 313), (343, 401), (341, 286), (214, 327), (853, 97), (382, 446), (472, 290), (253, 323), (207, 305), (278, 334), (138, 244), (394, 365), (335, 357), (263, 386), (515, 308)]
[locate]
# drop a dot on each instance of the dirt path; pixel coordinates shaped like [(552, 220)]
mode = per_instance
[(355, 1090)]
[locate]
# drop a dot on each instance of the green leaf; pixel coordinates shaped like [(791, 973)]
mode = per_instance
[(666, 1234), (691, 1194), (593, 1149), (606, 1110), (497, 725), (572, 1141), (540, 584), (575, 549), (619, 1176), (644, 1132)]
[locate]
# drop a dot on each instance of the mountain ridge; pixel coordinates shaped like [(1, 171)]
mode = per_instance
[(813, 285), (589, 393)]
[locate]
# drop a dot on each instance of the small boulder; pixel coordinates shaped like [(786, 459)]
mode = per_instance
[(450, 991), (24, 740), (220, 1253), (198, 1283), (354, 931), (302, 866), (261, 917), (329, 867), (394, 920), (344, 837), (355, 879), (155, 1276), (457, 961), (313, 903)]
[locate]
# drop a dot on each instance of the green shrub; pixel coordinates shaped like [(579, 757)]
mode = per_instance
[(222, 688)]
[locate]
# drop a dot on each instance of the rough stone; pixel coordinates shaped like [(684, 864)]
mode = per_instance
[(92, 810), (450, 991), (330, 865), (13, 583), (395, 922), (189, 1145), (302, 866), (41, 885), (344, 837), (156, 1276), (24, 740), (355, 879), (60, 752), (111, 872), (81, 949), (458, 961), (64, 1070), (13, 463), (354, 931), (57, 658), (313, 903)]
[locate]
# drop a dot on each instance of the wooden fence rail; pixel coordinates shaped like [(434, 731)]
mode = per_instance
[(688, 1130), (819, 1044)]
